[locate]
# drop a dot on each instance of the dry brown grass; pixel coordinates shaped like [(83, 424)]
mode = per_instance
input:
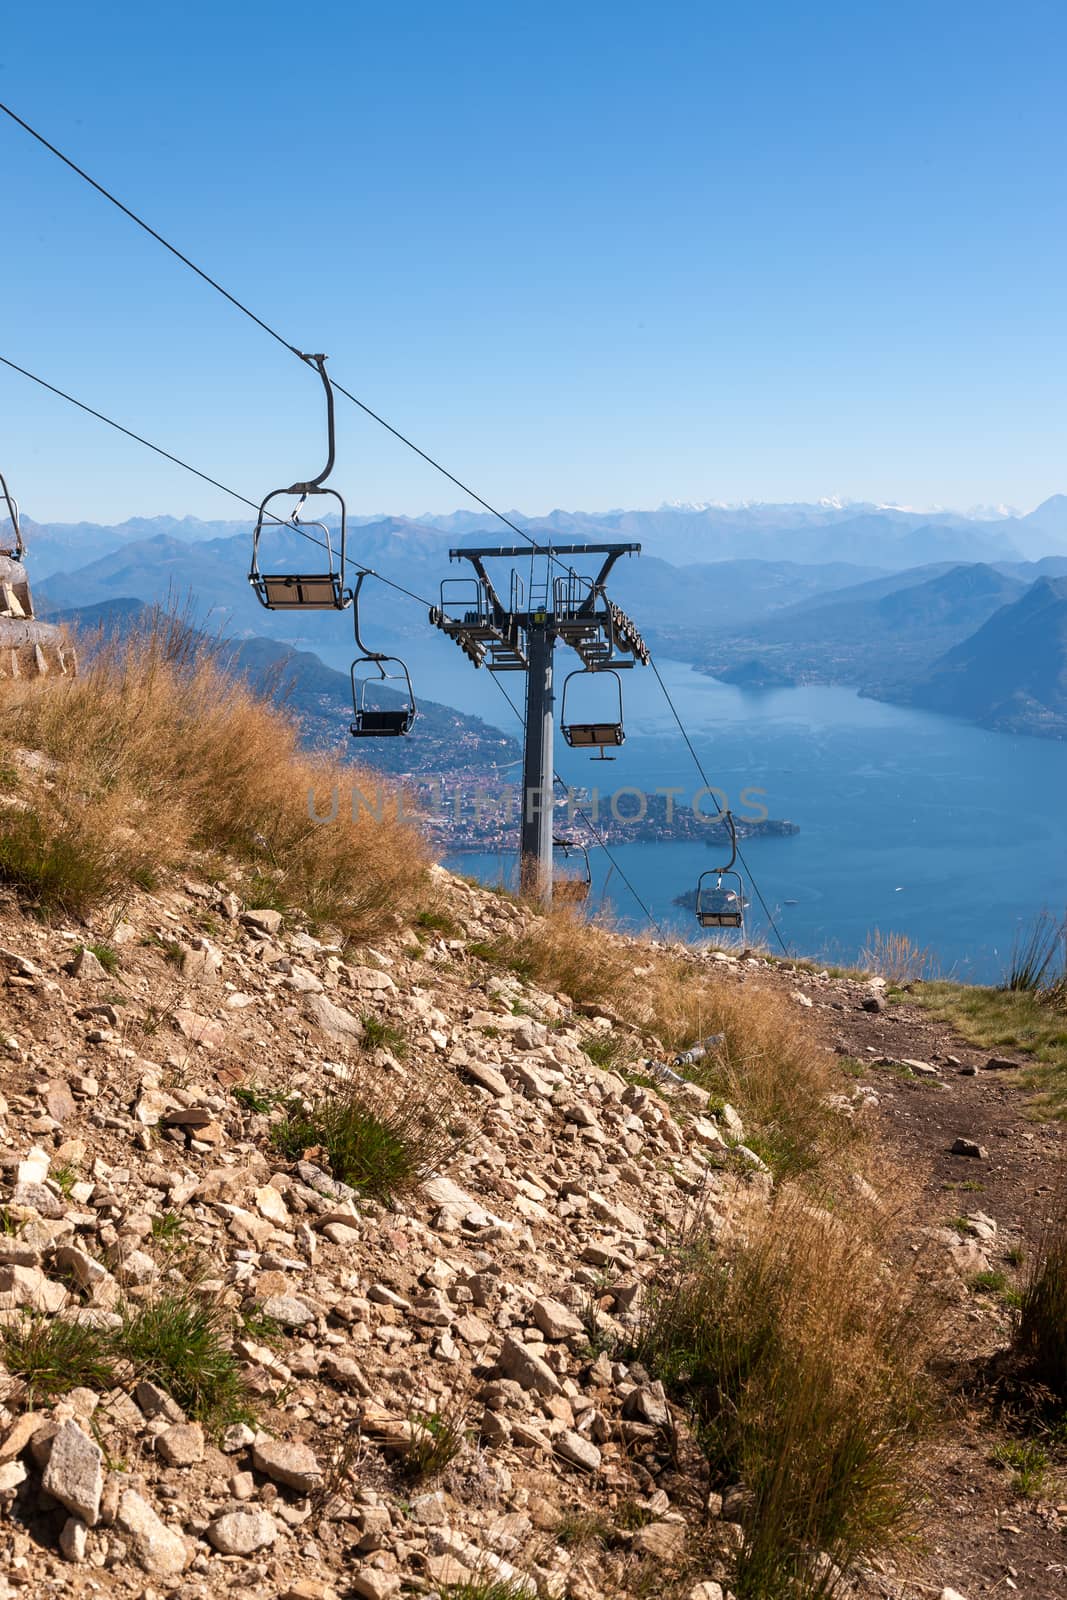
[(157, 754), (798, 1345), (770, 1064), (896, 957)]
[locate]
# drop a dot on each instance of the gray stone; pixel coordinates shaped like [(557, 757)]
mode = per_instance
[(555, 1321), (181, 1446), (86, 967), (578, 1451), (664, 1540), (334, 1020), (293, 1465), (157, 1549), (519, 1362), (372, 1584), (288, 1310), (74, 1539), (968, 1147), (263, 921), (75, 1473), (240, 1533)]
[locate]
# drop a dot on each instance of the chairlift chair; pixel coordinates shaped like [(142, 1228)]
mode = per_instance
[(321, 590), (721, 905), (370, 721), (595, 736), (9, 508), (568, 888)]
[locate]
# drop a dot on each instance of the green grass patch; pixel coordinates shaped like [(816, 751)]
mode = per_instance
[(181, 1341), (992, 1282), (379, 1035), (378, 1133), (1029, 1462), (438, 922), (1009, 1020), (50, 1357)]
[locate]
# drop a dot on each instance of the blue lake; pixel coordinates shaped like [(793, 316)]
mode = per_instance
[(910, 822)]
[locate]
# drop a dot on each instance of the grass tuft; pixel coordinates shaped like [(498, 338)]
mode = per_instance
[(1041, 1331), (181, 1341), (811, 1399), (378, 1133), (895, 957), (51, 1357)]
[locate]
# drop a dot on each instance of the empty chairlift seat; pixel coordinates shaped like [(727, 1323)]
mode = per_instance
[(570, 887), (371, 673), (320, 584), (580, 730)]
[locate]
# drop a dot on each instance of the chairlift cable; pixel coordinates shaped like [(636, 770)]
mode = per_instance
[(700, 768), (293, 349), (188, 467), (239, 305)]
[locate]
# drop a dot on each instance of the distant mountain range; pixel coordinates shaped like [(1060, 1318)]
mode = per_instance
[(865, 535), (874, 596), (981, 642)]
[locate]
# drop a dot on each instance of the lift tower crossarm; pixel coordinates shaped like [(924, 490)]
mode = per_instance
[(521, 637), (514, 551)]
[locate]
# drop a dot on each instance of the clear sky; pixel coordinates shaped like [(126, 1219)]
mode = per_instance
[(592, 254)]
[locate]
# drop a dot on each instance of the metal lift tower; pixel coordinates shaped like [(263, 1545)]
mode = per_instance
[(521, 636)]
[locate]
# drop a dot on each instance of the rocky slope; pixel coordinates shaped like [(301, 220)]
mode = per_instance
[(489, 1308)]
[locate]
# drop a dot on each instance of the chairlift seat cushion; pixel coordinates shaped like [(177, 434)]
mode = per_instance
[(381, 724), (593, 733), (319, 591)]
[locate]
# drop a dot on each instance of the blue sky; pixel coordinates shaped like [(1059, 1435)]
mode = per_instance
[(590, 254)]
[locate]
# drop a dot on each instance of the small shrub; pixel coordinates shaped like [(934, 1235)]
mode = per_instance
[(107, 957), (255, 1097), (65, 1177), (168, 1227), (1041, 1331), (436, 1440), (1029, 1461), (895, 957), (52, 1357), (1035, 954), (992, 1282), (438, 922), (181, 1341), (380, 1035), (811, 1398), (378, 1133)]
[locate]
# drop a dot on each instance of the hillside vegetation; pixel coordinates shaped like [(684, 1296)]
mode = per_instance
[(156, 752), (357, 1237)]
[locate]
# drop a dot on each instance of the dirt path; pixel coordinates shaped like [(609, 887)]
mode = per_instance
[(982, 1537)]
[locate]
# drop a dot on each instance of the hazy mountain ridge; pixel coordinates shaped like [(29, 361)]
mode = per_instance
[(1011, 674), (757, 622), (862, 533)]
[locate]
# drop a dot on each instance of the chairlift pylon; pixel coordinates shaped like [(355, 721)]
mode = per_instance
[(370, 721), (305, 591), (9, 504), (571, 888), (719, 905), (594, 736)]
